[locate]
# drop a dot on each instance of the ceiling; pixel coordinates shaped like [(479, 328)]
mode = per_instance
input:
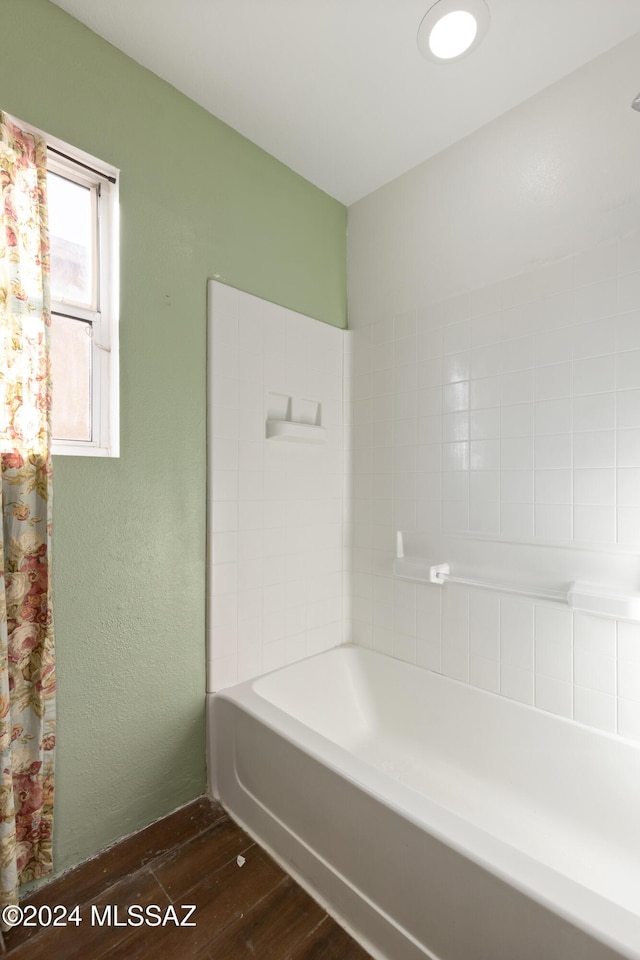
[(336, 89)]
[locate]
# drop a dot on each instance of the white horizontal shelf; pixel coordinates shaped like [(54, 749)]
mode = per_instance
[(590, 598), (597, 599), (293, 432), (585, 597)]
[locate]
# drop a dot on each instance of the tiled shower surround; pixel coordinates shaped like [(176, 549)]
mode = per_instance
[(492, 413), (512, 413)]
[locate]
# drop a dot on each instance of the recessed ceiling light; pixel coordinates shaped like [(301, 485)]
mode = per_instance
[(452, 28)]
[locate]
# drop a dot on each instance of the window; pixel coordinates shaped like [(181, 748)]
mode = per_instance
[(83, 230)]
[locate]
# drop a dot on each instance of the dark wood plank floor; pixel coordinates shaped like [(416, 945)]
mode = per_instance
[(245, 908)]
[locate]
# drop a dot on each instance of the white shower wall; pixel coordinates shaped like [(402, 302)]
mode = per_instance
[(493, 391), (275, 524)]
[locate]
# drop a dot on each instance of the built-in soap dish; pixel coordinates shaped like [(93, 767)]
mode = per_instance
[(295, 432), (293, 419)]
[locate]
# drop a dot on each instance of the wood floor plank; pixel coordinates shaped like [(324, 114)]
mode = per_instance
[(272, 928), (221, 898), (187, 866), (328, 942)]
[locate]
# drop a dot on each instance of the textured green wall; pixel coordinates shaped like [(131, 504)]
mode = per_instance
[(197, 200)]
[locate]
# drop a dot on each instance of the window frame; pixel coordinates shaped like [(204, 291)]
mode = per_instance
[(89, 171)]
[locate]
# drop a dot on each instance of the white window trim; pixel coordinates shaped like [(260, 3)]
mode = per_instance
[(105, 402)]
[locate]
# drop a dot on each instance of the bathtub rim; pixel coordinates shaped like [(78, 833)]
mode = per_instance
[(578, 905)]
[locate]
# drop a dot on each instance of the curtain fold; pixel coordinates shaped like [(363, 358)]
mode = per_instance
[(27, 663)]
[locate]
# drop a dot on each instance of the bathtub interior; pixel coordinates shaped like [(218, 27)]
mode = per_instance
[(564, 795), (330, 693)]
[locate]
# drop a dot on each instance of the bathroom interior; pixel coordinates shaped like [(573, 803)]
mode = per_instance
[(365, 572)]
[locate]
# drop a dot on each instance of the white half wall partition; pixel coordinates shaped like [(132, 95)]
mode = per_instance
[(275, 486)]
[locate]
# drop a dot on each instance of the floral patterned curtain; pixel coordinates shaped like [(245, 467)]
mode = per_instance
[(27, 677)]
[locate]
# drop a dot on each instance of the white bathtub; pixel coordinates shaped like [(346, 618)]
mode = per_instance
[(434, 819)]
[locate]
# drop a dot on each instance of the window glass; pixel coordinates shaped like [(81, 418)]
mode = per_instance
[(71, 377), (72, 231)]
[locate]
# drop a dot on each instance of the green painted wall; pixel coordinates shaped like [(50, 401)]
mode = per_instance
[(197, 199)]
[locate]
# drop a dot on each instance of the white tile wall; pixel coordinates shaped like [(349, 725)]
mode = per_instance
[(577, 666), (510, 412), (275, 510)]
